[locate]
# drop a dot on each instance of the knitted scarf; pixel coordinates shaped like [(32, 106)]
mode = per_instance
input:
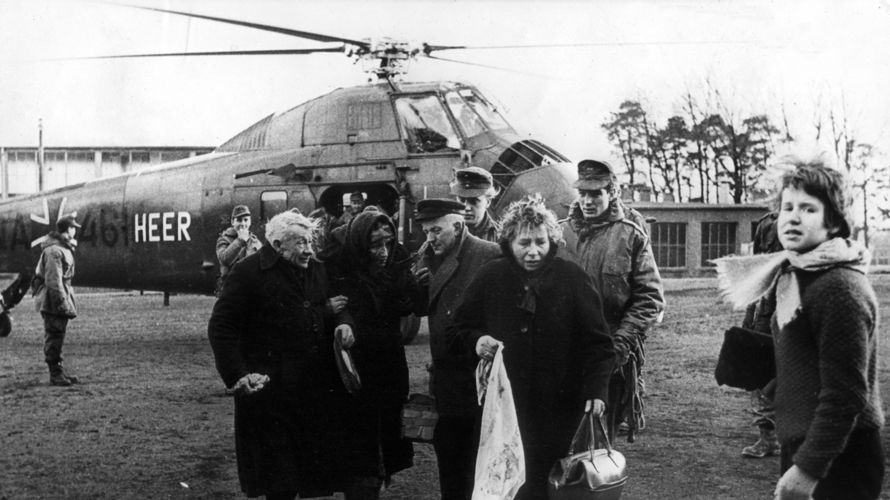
[(744, 280)]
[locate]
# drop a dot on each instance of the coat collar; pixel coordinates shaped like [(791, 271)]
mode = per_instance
[(449, 265)]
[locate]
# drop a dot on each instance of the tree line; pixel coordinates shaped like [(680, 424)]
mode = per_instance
[(712, 148)]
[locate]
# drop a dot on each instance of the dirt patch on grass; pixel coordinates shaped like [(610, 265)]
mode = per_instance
[(150, 419)]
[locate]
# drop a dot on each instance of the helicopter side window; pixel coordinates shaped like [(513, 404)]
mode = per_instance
[(468, 119), (426, 126)]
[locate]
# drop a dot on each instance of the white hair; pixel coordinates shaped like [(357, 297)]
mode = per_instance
[(285, 223)]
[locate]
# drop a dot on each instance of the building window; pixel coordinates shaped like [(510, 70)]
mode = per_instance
[(81, 156), (717, 240), (173, 155), (669, 243), (139, 157)]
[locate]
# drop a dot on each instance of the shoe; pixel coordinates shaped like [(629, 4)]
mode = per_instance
[(762, 448), (59, 379)]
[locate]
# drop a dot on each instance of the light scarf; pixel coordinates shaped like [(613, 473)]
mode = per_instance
[(744, 280)]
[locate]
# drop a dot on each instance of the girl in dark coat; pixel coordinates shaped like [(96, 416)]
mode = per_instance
[(373, 271), (272, 335), (557, 349)]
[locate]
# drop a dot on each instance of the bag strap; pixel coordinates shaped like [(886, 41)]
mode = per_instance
[(588, 419)]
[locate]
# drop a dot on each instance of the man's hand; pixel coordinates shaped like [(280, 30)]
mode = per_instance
[(622, 353), (337, 304), (249, 384), (795, 484), (486, 347), (422, 276), (243, 234), (596, 407), (344, 334)]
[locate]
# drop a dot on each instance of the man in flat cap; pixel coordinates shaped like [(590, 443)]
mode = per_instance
[(449, 259), (54, 295), (613, 247), (474, 187), (235, 243)]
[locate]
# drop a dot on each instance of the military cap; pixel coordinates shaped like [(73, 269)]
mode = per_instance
[(471, 182), (65, 222), (593, 174), (240, 210), (434, 208)]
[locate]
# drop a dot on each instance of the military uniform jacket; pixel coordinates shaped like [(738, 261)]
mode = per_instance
[(230, 249), (453, 381), (56, 267), (618, 256)]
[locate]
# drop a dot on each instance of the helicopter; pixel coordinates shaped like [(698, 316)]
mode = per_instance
[(396, 142)]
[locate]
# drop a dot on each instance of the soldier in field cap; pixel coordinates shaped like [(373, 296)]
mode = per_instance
[(54, 295), (449, 259), (474, 187), (613, 247), (235, 243)]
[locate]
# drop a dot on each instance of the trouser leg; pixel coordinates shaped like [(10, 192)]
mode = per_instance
[(456, 441), (363, 488), (54, 328)]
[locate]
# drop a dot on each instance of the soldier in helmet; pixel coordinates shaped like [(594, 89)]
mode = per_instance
[(474, 187)]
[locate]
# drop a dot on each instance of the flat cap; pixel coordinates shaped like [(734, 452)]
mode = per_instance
[(434, 208), (471, 182), (240, 210), (65, 222), (593, 174)]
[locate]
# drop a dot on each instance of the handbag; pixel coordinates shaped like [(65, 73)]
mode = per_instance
[(746, 360), (591, 474), (419, 418), (346, 366)]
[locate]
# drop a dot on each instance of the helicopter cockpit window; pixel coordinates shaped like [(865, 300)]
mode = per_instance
[(484, 109), (469, 121), (426, 126)]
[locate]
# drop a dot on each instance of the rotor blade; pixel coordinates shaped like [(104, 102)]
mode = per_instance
[(427, 49), (275, 52), (318, 37), (499, 68)]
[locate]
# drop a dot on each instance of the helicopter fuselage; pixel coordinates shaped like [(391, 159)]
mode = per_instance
[(155, 229)]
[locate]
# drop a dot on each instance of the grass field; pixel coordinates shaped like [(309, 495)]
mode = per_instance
[(150, 419)]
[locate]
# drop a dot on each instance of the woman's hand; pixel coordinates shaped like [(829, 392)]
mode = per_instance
[(596, 407), (486, 347), (337, 304), (344, 334), (795, 484)]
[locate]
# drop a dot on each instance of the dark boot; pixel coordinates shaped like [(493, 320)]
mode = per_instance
[(57, 376), (363, 488)]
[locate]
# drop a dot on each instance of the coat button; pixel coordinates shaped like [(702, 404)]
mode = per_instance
[(524, 329), (306, 304)]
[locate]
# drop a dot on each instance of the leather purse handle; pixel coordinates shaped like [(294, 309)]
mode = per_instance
[(591, 442)]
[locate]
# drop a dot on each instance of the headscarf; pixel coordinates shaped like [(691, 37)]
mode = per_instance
[(744, 280)]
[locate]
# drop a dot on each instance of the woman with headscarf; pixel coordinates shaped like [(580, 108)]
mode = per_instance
[(557, 349), (373, 272)]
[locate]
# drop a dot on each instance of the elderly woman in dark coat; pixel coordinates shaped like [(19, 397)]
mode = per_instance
[(272, 334), (373, 271), (557, 349)]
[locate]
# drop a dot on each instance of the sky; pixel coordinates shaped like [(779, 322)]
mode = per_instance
[(761, 55)]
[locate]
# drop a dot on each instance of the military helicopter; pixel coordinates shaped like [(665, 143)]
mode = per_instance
[(394, 141)]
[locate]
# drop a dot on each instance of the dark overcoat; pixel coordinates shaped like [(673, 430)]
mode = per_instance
[(378, 298), (453, 382), (269, 319), (557, 349)]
